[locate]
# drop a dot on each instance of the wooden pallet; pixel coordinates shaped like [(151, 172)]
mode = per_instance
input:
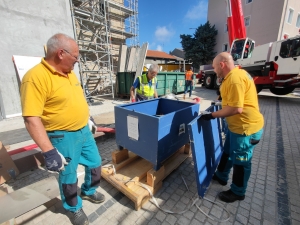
[(132, 171)]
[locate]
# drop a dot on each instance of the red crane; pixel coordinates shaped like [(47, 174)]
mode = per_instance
[(235, 20)]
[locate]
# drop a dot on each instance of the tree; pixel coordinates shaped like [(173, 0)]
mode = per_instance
[(200, 47)]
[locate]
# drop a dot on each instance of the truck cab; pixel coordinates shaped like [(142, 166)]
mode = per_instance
[(286, 54)]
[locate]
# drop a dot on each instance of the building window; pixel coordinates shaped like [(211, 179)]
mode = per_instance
[(226, 28), (225, 48), (298, 21), (248, 1), (290, 15), (247, 21)]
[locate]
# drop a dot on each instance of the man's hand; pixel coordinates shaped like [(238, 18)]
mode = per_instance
[(55, 161), (206, 116)]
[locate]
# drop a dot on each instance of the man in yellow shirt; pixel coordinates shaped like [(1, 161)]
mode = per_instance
[(56, 116), (245, 126)]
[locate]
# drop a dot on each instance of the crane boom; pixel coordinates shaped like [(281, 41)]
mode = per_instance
[(235, 20)]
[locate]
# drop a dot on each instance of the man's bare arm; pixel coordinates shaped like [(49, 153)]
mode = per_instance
[(132, 92), (155, 94), (37, 132), (227, 111)]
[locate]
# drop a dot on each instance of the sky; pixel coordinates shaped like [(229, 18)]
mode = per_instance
[(161, 22)]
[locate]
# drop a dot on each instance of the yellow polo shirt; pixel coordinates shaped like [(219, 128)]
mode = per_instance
[(238, 90), (57, 99)]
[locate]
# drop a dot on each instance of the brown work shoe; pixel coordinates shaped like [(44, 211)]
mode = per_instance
[(78, 217), (97, 197), (229, 196)]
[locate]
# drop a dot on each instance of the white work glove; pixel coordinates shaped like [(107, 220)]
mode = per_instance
[(92, 125)]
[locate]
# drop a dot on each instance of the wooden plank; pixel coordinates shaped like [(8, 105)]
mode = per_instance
[(137, 168), (154, 177), (136, 194), (119, 156), (136, 171), (131, 158)]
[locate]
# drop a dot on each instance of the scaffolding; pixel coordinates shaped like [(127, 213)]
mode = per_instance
[(100, 28)]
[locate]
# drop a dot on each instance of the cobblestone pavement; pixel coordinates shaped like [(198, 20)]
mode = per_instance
[(272, 195)]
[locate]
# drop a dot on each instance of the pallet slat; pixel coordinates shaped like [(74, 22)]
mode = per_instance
[(140, 171)]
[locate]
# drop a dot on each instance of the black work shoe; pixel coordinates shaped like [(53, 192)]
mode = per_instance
[(215, 177), (78, 217), (97, 197), (229, 196)]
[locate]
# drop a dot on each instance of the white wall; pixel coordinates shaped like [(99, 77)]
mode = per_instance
[(26, 25)]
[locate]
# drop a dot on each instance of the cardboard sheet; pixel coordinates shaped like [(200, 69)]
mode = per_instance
[(8, 169)]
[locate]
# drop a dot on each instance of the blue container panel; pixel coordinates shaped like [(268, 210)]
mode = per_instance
[(170, 135), (149, 109), (166, 106), (207, 148), (146, 146)]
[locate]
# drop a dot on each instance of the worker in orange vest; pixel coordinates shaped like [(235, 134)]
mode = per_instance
[(188, 81)]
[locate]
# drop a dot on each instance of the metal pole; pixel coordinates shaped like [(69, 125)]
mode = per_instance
[(75, 37)]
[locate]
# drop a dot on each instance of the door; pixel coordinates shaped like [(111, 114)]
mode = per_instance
[(207, 147), (287, 55)]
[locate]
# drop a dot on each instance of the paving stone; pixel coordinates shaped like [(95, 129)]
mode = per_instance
[(243, 212), (171, 219), (241, 219), (154, 222), (200, 216), (254, 221), (165, 223), (183, 221), (195, 222)]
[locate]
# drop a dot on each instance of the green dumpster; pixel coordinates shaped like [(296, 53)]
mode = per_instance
[(170, 82), (125, 81)]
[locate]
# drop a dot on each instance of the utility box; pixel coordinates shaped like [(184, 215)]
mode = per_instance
[(154, 129)]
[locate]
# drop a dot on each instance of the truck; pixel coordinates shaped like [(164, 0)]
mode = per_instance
[(274, 66)]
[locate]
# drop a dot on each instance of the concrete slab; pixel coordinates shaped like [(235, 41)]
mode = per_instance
[(122, 58), (27, 198), (131, 59)]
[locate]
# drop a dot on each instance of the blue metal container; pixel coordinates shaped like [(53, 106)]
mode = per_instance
[(154, 129)]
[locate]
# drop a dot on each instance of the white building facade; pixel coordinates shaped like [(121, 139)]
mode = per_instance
[(265, 20)]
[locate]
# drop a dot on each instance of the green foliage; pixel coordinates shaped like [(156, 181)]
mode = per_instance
[(200, 48)]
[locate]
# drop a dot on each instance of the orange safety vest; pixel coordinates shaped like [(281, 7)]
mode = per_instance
[(189, 75)]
